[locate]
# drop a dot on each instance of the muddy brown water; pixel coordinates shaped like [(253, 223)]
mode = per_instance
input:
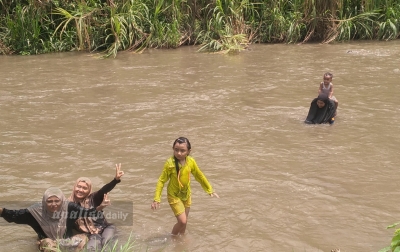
[(284, 185)]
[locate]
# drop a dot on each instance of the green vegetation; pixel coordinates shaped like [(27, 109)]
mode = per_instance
[(395, 244), (109, 26), (113, 246)]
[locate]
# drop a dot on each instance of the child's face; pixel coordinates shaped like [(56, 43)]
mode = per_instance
[(327, 80), (181, 151), (320, 104)]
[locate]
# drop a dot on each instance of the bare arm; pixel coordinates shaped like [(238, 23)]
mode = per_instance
[(320, 88), (331, 91)]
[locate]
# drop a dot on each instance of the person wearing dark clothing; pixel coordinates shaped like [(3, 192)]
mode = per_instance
[(322, 110), (52, 219), (99, 230)]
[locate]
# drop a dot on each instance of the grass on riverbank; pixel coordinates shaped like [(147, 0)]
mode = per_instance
[(43, 26)]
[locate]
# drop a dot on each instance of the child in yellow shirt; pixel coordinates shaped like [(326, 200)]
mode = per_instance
[(177, 171)]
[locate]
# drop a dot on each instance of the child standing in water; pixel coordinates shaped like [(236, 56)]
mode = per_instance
[(326, 87), (177, 170)]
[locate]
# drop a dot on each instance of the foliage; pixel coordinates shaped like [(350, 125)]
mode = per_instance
[(358, 27), (111, 246), (226, 27), (110, 26), (395, 244), (30, 39), (389, 25), (282, 22)]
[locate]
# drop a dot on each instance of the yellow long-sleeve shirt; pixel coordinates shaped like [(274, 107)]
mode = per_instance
[(176, 191)]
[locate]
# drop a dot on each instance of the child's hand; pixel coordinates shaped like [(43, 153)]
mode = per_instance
[(104, 203), (118, 172), (214, 194), (155, 205)]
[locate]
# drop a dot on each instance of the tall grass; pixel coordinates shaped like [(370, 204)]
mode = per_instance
[(226, 28), (283, 21), (389, 22), (82, 21), (40, 26), (29, 40)]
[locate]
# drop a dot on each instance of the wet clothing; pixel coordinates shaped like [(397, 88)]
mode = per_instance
[(99, 229), (97, 241), (94, 225), (23, 216), (318, 115), (178, 188), (53, 224), (180, 206), (327, 90)]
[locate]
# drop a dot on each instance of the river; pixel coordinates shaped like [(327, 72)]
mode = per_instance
[(283, 185)]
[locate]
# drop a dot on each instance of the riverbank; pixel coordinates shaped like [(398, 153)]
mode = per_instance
[(108, 26)]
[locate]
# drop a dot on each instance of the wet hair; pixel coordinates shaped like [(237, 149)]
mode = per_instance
[(328, 74), (180, 140)]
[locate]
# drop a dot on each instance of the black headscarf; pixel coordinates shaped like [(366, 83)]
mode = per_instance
[(323, 97), (318, 115)]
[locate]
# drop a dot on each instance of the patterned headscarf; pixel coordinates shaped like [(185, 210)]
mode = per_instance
[(86, 201), (85, 224)]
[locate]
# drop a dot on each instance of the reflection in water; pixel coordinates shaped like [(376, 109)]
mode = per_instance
[(284, 185)]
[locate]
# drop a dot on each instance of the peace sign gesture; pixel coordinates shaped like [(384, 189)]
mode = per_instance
[(118, 172), (104, 203)]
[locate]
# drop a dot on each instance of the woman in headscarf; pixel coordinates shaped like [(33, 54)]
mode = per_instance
[(52, 219), (322, 110), (100, 231)]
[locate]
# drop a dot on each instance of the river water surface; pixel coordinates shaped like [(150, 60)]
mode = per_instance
[(283, 185)]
